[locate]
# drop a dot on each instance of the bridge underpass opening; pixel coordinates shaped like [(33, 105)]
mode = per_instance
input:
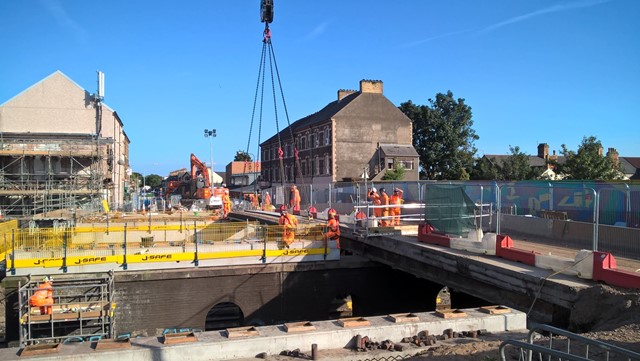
[(224, 315)]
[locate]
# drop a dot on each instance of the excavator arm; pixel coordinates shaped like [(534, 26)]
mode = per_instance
[(199, 168)]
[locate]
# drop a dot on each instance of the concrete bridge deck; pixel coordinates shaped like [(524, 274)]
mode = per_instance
[(222, 345), (547, 296)]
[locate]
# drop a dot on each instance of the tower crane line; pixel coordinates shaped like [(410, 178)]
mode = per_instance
[(266, 16)]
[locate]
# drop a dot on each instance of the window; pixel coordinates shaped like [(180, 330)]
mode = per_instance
[(321, 166), (303, 142), (315, 166), (318, 136), (327, 162), (312, 140), (326, 136), (390, 163), (407, 164), (303, 165)]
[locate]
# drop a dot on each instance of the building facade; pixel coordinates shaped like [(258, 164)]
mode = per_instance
[(61, 148), (352, 138)]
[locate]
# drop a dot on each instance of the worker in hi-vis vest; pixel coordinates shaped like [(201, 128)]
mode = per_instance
[(43, 296), (333, 227), (396, 199), (289, 223)]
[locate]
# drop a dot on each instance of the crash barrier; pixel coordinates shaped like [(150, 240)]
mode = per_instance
[(42, 251), (597, 266), (565, 346)]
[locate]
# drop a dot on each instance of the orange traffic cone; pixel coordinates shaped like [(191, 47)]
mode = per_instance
[(143, 211)]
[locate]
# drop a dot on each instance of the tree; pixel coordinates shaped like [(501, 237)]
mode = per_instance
[(136, 179), (442, 136), (516, 166), (242, 156), (588, 163), (153, 180), (485, 169), (397, 173)]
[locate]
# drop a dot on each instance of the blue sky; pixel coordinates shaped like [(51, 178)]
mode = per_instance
[(532, 71)]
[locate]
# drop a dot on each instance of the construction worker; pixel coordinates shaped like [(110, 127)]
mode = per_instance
[(254, 201), (375, 199), (384, 201), (289, 223), (294, 201), (226, 204), (266, 204), (333, 227), (43, 296), (396, 199)]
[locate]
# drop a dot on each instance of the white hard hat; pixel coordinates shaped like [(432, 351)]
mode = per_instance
[(47, 279), (374, 189)]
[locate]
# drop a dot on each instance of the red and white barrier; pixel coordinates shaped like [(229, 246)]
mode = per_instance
[(598, 266)]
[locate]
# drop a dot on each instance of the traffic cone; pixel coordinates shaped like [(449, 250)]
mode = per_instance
[(143, 211)]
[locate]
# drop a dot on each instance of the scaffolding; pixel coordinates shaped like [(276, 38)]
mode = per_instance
[(82, 311), (44, 174)]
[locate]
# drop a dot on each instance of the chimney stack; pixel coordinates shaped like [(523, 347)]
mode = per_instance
[(613, 154), (543, 151), (371, 86), (343, 93)]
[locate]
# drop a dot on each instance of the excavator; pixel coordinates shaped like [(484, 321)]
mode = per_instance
[(195, 186)]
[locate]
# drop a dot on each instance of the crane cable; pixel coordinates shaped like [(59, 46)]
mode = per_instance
[(267, 48)]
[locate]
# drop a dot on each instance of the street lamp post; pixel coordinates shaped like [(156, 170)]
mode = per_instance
[(210, 134)]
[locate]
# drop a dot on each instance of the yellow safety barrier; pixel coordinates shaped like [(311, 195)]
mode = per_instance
[(61, 248)]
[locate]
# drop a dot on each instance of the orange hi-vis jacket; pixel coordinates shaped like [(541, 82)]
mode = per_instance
[(333, 229), (43, 295), (295, 198), (288, 222)]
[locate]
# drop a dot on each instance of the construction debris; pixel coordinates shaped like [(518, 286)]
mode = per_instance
[(422, 339)]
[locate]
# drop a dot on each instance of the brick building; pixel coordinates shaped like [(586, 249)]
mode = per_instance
[(360, 133)]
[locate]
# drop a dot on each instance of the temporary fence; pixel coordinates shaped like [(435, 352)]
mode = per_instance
[(125, 244)]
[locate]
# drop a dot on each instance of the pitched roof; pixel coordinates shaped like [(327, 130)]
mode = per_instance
[(534, 160), (322, 115), (399, 150), (630, 165), (56, 73)]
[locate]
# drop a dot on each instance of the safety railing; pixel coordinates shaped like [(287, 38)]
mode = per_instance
[(563, 345), (124, 245)]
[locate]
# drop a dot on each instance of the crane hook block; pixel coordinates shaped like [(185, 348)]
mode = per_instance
[(266, 11)]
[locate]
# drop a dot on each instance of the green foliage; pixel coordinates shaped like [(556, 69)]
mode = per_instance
[(242, 156), (516, 166), (485, 169), (442, 136), (153, 180), (588, 162), (136, 179), (397, 173)]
